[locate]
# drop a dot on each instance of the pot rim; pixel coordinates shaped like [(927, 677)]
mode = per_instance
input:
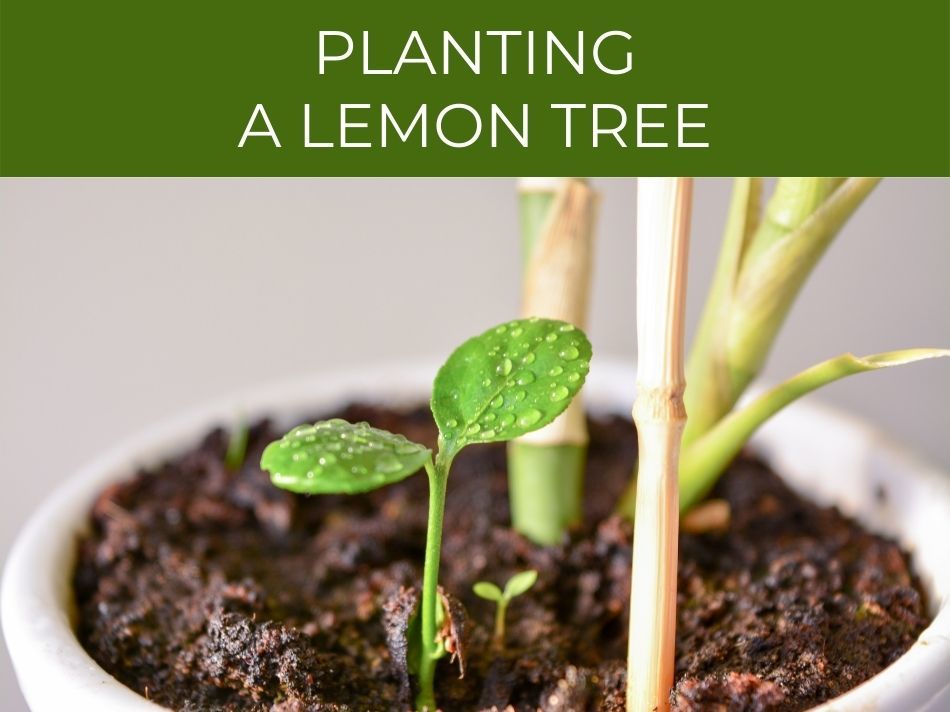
[(53, 669)]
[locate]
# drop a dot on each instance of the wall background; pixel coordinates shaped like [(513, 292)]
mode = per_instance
[(125, 301)]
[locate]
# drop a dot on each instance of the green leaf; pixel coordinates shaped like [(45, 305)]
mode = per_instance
[(487, 590), (519, 583), (511, 380), (337, 457), (703, 461)]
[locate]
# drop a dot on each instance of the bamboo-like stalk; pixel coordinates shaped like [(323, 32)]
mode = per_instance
[(546, 468), (663, 212)]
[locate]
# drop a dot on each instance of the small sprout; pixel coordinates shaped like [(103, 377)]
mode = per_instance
[(518, 584), (237, 446), (509, 381)]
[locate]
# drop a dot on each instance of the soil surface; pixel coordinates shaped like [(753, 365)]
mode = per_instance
[(205, 589)]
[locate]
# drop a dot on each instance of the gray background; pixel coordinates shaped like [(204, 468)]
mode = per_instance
[(124, 301)]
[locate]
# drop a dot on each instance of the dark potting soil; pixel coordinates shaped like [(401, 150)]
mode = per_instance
[(203, 589)]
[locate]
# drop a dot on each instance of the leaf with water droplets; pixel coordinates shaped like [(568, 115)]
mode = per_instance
[(514, 378), (337, 457)]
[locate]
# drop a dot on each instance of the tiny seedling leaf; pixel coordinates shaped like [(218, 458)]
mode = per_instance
[(511, 380), (337, 457), (487, 590), (519, 583)]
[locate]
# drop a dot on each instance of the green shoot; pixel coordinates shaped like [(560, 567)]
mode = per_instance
[(703, 462), (518, 584), (761, 269), (509, 381), (237, 446)]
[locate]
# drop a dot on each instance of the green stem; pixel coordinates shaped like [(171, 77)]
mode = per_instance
[(429, 650), (545, 489), (708, 394), (500, 612), (237, 446)]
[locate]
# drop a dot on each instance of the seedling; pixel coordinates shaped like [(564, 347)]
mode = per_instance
[(518, 584), (237, 446), (508, 381)]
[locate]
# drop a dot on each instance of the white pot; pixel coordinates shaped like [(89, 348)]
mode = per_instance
[(830, 457)]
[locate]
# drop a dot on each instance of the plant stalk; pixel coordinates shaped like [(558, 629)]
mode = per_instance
[(498, 639), (429, 649), (546, 468), (663, 210), (545, 486), (761, 269)]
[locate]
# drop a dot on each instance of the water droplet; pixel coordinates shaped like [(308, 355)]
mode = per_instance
[(528, 358), (333, 446), (486, 382), (490, 433), (529, 417), (519, 395), (473, 429), (505, 420), (497, 402), (452, 423), (560, 393), (327, 460), (310, 474), (406, 449), (358, 470), (501, 329), (523, 378), (488, 418), (556, 371), (504, 368), (552, 337), (517, 331), (284, 444), (566, 327), (573, 377), (569, 353)]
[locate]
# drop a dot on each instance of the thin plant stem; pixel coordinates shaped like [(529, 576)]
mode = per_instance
[(500, 613), (429, 650)]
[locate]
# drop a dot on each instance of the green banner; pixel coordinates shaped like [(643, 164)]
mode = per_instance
[(490, 88)]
